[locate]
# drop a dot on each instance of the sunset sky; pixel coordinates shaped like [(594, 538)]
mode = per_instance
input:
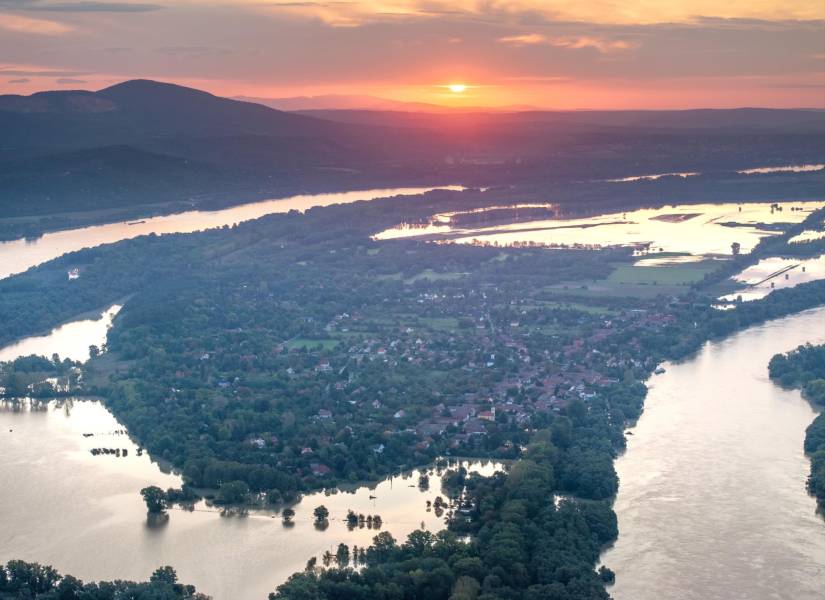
[(542, 53)]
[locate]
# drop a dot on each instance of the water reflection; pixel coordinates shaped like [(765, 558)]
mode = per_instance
[(699, 229), (18, 255), (669, 259), (776, 273), (653, 177), (809, 235), (71, 340), (61, 505), (783, 169), (803, 168)]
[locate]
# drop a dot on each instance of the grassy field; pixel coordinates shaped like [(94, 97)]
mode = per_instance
[(104, 365), (327, 343), (434, 276), (605, 288), (414, 321), (593, 309), (673, 274), (389, 277), (440, 323)]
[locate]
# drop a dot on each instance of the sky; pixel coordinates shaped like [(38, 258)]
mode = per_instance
[(556, 54)]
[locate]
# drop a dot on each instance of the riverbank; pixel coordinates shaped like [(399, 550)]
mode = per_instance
[(19, 255), (33, 227), (804, 369)]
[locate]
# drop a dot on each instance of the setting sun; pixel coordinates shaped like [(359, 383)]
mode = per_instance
[(457, 88)]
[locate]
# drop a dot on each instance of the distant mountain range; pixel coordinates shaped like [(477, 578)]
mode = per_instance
[(141, 111), (341, 102), (144, 142), (736, 120), (364, 102)]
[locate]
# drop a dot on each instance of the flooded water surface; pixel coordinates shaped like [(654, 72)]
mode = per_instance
[(61, 505), (775, 273), (712, 502), (698, 229), (70, 340)]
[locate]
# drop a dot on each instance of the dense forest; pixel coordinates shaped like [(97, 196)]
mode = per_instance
[(805, 368)]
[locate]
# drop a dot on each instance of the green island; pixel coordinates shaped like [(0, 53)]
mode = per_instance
[(805, 368), (295, 353)]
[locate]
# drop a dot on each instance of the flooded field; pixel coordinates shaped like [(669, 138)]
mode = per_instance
[(809, 235), (804, 168), (83, 514), (775, 273), (783, 169), (697, 229), (653, 177)]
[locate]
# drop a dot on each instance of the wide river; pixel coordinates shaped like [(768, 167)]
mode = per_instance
[(18, 255), (712, 502)]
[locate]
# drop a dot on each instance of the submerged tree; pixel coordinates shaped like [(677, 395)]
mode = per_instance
[(233, 492), (164, 575), (321, 514), (155, 499), (342, 555)]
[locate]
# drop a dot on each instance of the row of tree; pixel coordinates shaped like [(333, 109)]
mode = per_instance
[(805, 368), (20, 580)]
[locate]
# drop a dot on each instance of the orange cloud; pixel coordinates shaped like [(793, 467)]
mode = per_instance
[(574, 42), (20, 24), (602, 45), (526, 39), (639, 12)]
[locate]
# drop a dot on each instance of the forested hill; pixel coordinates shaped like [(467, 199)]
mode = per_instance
[(144, 142)]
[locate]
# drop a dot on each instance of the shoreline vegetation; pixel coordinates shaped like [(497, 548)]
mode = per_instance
[(294, 353), (20, 579), (804, 369)]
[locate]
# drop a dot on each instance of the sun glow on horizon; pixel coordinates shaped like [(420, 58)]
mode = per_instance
[(457, 88)]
